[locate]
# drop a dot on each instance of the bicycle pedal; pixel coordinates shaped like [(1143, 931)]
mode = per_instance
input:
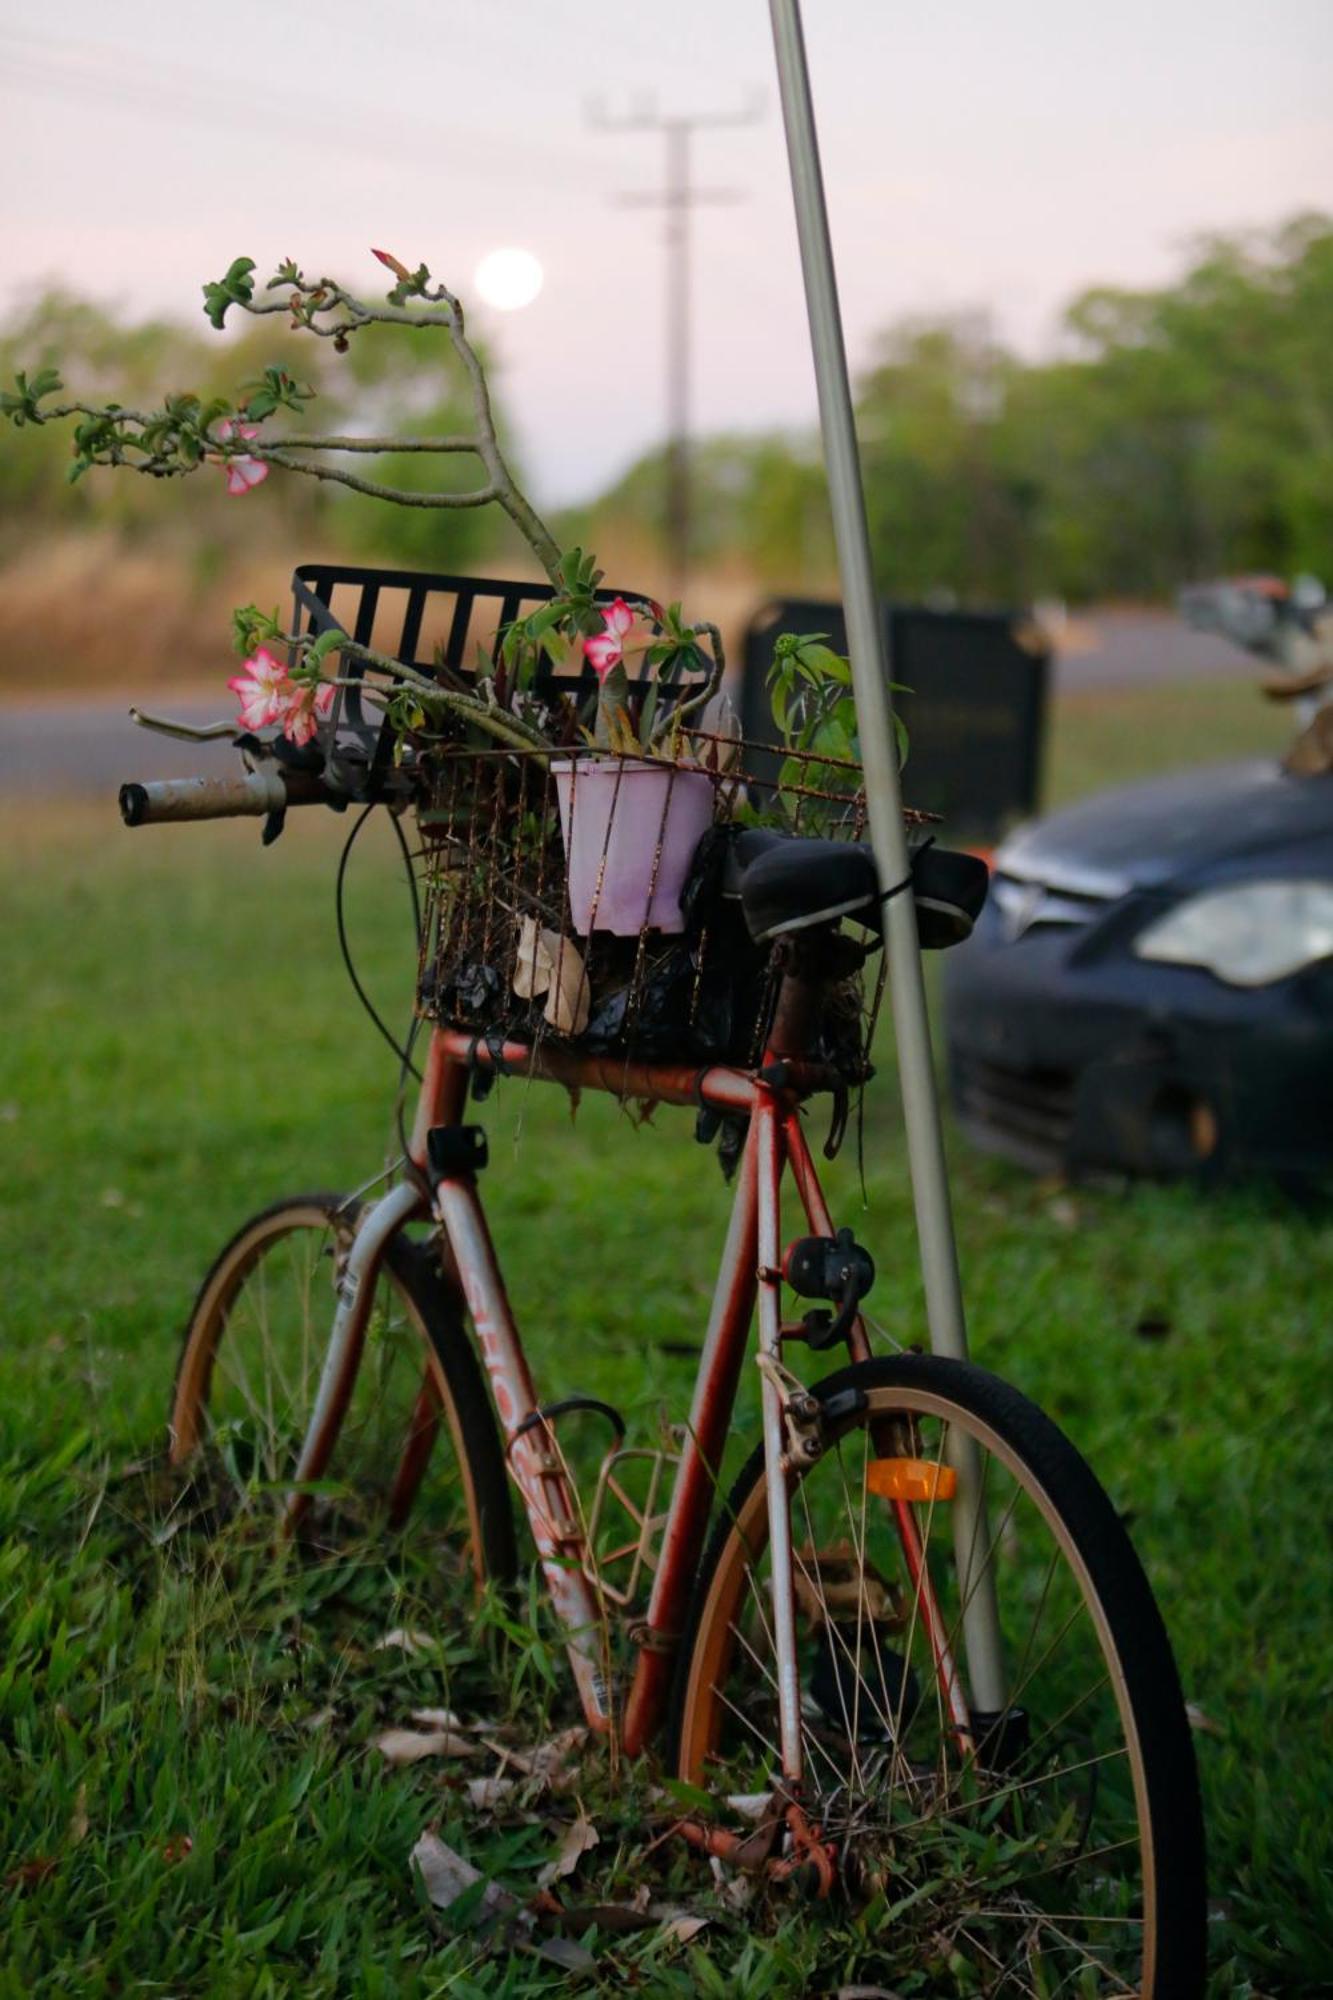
[(859, 1682)]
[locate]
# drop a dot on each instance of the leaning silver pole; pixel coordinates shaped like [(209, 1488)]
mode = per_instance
[(879, 757)]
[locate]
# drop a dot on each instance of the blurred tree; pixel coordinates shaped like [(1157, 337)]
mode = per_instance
[(1181, 432), (761, 500)]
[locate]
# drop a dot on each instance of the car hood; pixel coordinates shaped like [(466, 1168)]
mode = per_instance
[(1147, 835)]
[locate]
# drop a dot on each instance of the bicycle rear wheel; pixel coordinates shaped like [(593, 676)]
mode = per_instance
[(418, 1436), (1056, 1847)]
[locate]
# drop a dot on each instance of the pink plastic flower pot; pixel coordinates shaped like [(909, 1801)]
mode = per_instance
[(615, 815)]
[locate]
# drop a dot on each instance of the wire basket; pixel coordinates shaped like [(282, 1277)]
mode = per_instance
[(593, 898), (580, 893)]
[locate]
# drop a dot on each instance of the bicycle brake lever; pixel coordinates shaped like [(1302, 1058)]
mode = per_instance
[(189, 732)]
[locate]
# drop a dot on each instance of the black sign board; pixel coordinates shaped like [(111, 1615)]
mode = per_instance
[(974, 707)]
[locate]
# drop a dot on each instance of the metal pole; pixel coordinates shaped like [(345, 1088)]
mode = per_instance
[(870, 685), (679, 197)]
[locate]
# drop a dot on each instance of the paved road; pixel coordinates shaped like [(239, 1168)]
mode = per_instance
[(1112, 649), (91, 747)]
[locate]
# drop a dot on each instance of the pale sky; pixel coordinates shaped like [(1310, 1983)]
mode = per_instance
[(976, 155)]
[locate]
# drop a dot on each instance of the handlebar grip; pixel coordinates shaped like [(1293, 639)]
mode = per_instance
[(253, 796)]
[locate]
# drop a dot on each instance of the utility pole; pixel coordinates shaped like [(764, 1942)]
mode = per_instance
[(679, 197)]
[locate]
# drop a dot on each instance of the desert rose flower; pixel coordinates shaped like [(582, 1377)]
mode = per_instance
[(263, 690), (242, 472), (606, 650), (305, 706)]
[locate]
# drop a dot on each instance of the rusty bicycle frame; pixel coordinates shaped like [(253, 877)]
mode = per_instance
[(772, 1096)]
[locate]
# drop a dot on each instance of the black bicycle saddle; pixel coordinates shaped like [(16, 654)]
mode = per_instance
[(787, 883)]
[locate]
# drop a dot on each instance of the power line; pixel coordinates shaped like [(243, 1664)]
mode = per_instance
[(119, 79), (679, 197)]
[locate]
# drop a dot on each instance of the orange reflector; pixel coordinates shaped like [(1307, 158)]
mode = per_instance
[(911, 1479)]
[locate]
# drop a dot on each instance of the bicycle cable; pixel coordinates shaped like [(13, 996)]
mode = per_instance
[(403, 1053)]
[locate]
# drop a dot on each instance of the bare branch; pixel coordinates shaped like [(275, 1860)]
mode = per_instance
[(257, 448), (308, 302), (477, 496)]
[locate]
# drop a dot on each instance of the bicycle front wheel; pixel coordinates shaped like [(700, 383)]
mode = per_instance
[(417, 1437), (1052, 1847)]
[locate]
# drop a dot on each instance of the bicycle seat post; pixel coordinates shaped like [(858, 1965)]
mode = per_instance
[(807, 962)]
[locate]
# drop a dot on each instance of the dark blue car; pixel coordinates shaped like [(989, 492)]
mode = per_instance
[(1150, 986)]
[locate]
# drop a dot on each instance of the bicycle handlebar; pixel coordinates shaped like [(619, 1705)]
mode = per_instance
[(253, 796)]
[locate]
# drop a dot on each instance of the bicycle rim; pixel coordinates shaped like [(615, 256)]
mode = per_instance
[(250, 1368), (1053, 1849)]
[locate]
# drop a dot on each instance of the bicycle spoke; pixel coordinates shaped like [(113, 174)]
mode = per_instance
[(1026, 1832)]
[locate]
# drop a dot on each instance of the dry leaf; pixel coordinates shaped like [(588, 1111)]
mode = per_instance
[(569, 1002), (555, 1760), (437, 1718), (78, 1819), (566, 1953), (680, 1929), (487, 1793), (534, 966), (411, 1642), (409, 1746), (579, 1837), (751, 1805), (558, 1759), (1199, 1719), (735, 1891), (446, 1876)]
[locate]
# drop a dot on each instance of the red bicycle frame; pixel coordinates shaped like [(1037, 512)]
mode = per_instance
[(750, 1270)]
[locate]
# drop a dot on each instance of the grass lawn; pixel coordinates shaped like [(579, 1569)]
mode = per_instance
[(189, 1798)]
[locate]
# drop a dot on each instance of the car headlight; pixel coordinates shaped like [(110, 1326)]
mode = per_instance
[(1249, 935)]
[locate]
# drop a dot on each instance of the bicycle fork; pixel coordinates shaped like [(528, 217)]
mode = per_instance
[(779, 1143), (356, 1289)]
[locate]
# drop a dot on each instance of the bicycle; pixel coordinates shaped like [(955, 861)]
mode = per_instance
[(814, 1663)]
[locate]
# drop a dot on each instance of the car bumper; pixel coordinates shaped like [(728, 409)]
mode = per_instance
[(1066, 1056)]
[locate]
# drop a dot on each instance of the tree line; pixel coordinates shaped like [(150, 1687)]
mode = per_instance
[(1178, 433)]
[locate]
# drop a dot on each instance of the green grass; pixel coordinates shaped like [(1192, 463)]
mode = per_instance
[(180, 1046)]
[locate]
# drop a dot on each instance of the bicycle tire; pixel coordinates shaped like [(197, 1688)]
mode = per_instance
[(416, 1314), (917, 1396)]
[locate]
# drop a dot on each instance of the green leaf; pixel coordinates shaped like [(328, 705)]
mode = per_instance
[(236, 288), (327, 642), (22, 408), (819, 659)]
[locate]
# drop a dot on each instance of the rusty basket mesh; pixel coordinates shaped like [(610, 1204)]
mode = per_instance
[(515, 939)]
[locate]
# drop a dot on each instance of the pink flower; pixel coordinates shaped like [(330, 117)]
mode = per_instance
[(243, 471), (304, 708), (606, 650), (268, 694), (263, 690)]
